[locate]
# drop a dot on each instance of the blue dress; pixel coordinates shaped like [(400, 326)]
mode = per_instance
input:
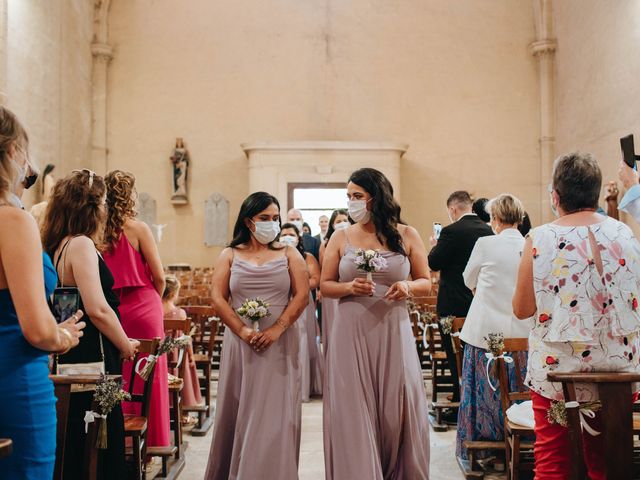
[(28, 413)]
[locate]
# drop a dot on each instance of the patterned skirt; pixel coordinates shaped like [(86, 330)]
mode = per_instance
[(480, 415)]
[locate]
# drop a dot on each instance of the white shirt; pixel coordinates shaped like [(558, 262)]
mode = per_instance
[(492, 270)]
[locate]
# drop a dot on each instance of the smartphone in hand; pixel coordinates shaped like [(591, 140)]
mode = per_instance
[(628, 151), (437, 229), (66, 302)]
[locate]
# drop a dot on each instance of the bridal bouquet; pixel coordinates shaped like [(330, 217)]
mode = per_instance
[(253, 310), (107, 395), (167, 345), (370, 261)]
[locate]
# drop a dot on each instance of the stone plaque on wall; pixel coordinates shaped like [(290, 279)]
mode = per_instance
[(147, 210), (216, 220)]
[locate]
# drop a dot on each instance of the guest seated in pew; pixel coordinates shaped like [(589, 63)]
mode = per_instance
[(132, 256), (28, 330), (579, 276), (191, 395), (72, 229), (491, 273)]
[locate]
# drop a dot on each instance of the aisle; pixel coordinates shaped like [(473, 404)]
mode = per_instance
[(443, 464)]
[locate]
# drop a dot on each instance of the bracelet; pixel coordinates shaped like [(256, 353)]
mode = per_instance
[(283, 325), (69, 337), (406, 283)]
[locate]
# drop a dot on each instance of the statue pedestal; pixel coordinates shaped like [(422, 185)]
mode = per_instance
[(179, 200)]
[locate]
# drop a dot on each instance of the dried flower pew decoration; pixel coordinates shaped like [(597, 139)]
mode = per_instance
[(557, 413), (167, 345), (107, 395), (495, 345), (446, 323)]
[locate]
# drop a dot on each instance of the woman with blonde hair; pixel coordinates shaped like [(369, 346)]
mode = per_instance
[(491, 273), (28, 331), (191, 395), (132, 256)]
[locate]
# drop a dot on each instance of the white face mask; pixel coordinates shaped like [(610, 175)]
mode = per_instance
[(289, 240), (298, 224), (341, 226), (358, 211), (22, 173), (266, 232)]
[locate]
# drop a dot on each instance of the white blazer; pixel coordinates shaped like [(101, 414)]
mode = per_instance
[(492, 270)]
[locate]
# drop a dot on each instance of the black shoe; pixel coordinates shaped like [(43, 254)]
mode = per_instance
[(449, 416)]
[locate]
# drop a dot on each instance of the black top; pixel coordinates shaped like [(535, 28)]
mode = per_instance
[(88, 350), (450, 257), (311, 245)]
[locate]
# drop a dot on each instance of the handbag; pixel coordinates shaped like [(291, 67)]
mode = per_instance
[(86, 368)]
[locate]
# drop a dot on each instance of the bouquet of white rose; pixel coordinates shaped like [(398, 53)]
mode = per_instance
[(370, 261), (253, 310)]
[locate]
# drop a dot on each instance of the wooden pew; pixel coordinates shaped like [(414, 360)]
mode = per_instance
[(62, 389), (135, 426), (206, 322), (615, 393)]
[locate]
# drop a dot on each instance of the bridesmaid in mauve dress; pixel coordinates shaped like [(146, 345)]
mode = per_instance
[(134, 261), (311, 360), (377, 425), (258, 410)]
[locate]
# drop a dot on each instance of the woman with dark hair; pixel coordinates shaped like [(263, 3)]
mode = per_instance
[(258, 412), (376, 424), (72, 230), (310, 355), (479, 207), (339, 219)]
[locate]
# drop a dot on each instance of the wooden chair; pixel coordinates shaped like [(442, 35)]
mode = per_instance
[(62, 389), (441, 379), (517, 443), (173, 461), (615, 391), (6, 447), (135, 426), (206, 323), (456, 328)]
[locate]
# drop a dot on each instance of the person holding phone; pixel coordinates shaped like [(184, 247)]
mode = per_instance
[(28, 331), (73, 224)]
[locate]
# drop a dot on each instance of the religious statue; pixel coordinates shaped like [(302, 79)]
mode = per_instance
[(180, 161)]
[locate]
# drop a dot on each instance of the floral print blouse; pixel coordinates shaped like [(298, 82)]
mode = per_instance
[(584, 321)]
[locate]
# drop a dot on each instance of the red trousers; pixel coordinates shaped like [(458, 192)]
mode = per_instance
[(552, 449)]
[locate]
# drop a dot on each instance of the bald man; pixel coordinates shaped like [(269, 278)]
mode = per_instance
[(310, 244)]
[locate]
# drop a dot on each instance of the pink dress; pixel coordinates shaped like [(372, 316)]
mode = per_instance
[(191, 395), (142, 317)]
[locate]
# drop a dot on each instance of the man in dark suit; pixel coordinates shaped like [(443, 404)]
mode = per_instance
[(323, 223), (310, 244), (449, 256)]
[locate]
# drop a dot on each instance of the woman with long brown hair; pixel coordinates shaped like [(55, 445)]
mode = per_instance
[(72, 230), (134, 261)]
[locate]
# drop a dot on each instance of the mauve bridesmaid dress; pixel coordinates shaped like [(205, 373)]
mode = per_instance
[(376, 426), (258, 409)]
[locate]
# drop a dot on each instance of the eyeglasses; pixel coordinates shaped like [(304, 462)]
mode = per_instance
[(90, 172)]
